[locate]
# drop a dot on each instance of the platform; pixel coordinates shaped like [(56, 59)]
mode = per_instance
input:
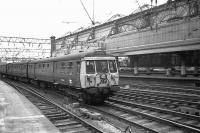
[(152, 76), (177, 80), (21, 116)]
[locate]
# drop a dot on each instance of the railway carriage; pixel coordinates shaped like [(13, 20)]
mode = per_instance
[(90, 77), (43, 70), (3, 69), (19, 70), (31, 71), (9, 68)]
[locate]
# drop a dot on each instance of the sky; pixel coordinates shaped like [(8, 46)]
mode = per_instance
[(44, 18)]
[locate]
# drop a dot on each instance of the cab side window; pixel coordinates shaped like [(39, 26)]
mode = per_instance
[(78, 66), (90, 67)]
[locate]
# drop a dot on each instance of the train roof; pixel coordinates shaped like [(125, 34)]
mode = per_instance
[(74, 56)]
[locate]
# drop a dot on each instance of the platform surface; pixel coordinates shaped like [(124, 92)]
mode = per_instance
[(129, 75), (21, 115)]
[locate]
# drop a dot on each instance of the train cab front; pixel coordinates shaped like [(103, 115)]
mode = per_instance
[(101, 76)]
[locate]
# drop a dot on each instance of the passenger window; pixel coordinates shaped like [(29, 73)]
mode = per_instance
[(90, 67), (62, 65), (70, 65), (56, 65)]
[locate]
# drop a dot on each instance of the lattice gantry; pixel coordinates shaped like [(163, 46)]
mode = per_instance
[(16, 49)]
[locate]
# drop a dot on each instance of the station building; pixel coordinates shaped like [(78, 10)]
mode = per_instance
[(165, 37)]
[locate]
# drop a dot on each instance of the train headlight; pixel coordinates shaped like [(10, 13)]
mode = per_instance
[(70, 81)]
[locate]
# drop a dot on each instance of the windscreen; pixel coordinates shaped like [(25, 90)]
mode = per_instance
[(90, 67), (102, 66)]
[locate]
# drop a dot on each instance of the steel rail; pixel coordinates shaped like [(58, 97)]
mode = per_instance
[(87, 124), (150, 108)]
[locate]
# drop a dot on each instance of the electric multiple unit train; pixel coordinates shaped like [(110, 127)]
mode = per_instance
[(91, 77)]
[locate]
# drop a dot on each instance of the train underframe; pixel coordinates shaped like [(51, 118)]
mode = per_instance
[(93, 96)]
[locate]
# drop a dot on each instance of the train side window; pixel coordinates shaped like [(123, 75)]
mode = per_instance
[(90, 67), (70, 65), (47, 65), (78, 66), (62, 65), (56, 65)]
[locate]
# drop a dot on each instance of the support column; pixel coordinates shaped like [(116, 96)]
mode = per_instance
[(167, 60), (196, 69), (135, 64), (196, 62), (148, 65), (131, 63), (53, 44), (148, 71), (183, 67), (168, 71)]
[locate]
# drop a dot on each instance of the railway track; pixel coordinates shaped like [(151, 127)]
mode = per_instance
[(167, 85), (173, 82), (164, 88), (166, 100), (148, 120), (64, 120), (185, 119), (144, 119)]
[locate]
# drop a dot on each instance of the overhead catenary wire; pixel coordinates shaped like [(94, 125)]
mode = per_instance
[(139, 5), (87, 12)]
